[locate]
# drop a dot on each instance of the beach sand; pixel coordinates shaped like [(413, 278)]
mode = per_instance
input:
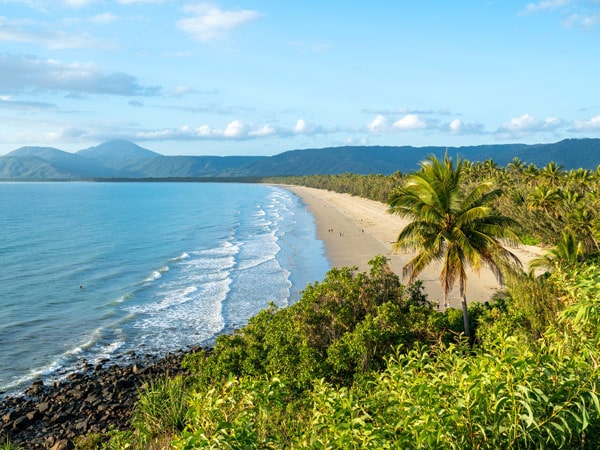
[(354, 230)]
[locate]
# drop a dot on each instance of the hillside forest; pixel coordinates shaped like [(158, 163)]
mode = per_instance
[(363, 361)]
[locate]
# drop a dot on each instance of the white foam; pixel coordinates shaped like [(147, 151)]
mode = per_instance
[(185, 316), (154, 276), (184, 255), (169, 299)]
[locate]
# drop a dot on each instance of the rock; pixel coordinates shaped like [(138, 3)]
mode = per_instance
[(61, 445), (43, 407), (21, 422), (9, 417), (95, 399)]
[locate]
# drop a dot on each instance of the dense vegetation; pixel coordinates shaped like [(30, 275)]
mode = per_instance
[(363, 361), (544, 201)]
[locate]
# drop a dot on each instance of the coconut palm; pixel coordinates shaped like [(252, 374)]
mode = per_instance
[(552, 172), (545, 199), (568, 252), (516, 166), (458, 229)]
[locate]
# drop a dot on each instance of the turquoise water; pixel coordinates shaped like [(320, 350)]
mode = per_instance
[(94, 270)]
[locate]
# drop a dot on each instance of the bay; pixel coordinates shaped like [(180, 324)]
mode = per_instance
[(95, 270)]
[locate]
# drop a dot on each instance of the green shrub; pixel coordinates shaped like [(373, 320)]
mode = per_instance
[(343, 326), (7, 445), (243, 413), (161, 408)]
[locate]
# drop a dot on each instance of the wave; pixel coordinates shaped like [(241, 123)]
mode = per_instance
[(154, 276), (184, 255), (58, 368), (157, 274), (123, 298)]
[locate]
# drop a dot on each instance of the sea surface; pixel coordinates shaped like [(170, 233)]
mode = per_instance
[(90, 271)]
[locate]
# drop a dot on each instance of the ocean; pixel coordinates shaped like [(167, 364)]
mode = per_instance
[(92, 271)]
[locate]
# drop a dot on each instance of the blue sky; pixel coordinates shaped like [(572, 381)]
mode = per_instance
[(259, 77)]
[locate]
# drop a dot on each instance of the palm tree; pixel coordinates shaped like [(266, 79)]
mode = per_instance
[(458, 228), (516, 166), (568, 252), (544, 198), (552, 173)]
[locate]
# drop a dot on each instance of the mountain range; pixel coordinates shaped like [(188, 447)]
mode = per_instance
[(124, 159)]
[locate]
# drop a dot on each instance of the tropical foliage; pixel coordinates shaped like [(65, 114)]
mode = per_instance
[(452, 226), (510, 390)]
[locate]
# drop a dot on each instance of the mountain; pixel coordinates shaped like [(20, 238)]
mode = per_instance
[(124, 159), (118, 156), (29, 168), (66, 165), (193, 166), (118, 150)]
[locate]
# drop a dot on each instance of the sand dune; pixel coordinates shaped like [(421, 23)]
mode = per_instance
[(363, 229)]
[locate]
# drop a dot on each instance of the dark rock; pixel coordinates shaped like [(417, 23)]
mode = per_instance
[(43, 407), (94, 399), (21, 422)]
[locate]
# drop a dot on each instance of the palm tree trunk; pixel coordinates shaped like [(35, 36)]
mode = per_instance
[(466, 316)]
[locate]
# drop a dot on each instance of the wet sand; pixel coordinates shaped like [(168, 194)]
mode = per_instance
[(354, 230)]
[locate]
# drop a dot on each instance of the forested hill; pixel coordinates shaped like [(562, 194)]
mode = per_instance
[(124, 159)]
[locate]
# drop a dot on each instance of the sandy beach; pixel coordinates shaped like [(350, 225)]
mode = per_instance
[(354, 230)]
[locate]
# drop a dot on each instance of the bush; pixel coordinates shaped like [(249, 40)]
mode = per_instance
[(343, 326), (161, 409)]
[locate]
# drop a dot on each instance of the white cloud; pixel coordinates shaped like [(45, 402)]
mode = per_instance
[(235, 129), (526, 122), (301, 126), (592, 124), (545, 5), (575, 13), (265, 130), (552, 123), (68, 132), (458, 127), (585, 21), (455, 126), (410, 122), (208, 22), (379, 123), (26, 72)]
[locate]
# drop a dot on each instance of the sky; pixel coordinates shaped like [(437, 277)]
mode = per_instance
[(260, 77)]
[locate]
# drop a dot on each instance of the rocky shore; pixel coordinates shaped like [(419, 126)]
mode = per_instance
[(92, 399)]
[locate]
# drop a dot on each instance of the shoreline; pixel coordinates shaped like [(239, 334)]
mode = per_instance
[(363, 229), (92, 399)]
